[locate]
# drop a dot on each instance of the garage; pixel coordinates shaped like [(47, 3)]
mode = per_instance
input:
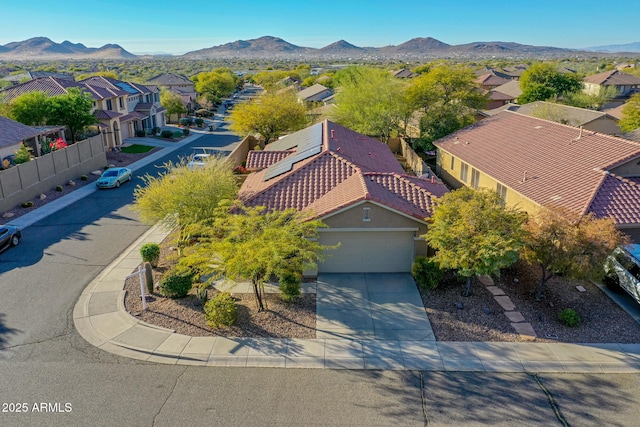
[(370, 251)]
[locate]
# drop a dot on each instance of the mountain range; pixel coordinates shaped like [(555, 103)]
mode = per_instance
[(269, 47)]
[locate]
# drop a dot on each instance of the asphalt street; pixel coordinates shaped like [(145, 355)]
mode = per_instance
[(50, 376)]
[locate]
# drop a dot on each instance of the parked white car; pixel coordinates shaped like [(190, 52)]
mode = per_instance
[(623, 270), (198, 161)]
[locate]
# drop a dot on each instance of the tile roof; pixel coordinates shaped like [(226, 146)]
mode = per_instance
[(350, 168), (510, 88), (618, 198), (263, 159), (496, 95), (491, 80), (615, 78), (316, 92), (545, 161), (170, 79), (12, 132), (107, 114), (50, 85)]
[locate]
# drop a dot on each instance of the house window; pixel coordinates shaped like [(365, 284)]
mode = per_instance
[(366, 217), (464, 172), (502, 191), (109, 105), (121, 103), (453, 163), (475, 178)]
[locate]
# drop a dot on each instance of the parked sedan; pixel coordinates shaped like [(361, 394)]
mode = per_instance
[(623, 270), (113, 177), (9, 236)]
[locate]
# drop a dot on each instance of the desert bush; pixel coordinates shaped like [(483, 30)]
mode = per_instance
[(27, 204), (178, 134), (569, 317), (202, 293), (290, 285), (58, 187), (83, 177), (221, 310), (140, 133), (167, 134), (150, 253), (426, 273), (185, 131), (185, 122), (199, 122), (176, 285)]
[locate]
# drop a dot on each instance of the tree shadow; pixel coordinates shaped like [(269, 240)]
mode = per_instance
[(5, 332)]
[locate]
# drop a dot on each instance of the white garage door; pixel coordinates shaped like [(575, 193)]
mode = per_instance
[(368, 252)]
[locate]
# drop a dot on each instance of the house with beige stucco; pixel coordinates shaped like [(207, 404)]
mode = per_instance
[(356, 186), (533, 163)]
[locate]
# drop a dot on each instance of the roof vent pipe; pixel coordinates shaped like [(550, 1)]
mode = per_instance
[(580, 136), (332, 134)]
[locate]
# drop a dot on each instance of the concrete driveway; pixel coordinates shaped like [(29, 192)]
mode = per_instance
[(382, 306)]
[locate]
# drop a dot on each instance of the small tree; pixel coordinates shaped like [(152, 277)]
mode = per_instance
[(172, 102), (256, 245), (270, 115), (474, 232), (22, 155), (73, 110), (631, 114), (30, 108), (565, 243)]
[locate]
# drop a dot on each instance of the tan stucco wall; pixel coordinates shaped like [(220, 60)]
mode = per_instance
[(380, 217)]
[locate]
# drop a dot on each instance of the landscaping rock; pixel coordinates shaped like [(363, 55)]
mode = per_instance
[(43, 196)]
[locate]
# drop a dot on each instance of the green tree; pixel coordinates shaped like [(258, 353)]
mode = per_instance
[(447, 97), (255, 244), (73, 110), (181, 197), (581, 99), (474, 233), (370, 101), (22, 155), (543, 81), (172, 102), (216, 84), (30, 108), (631, 114), (565, 243), (269, 115)]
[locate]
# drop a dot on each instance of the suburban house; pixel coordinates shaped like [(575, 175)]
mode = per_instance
[(178, 84), (533, 162), (596, 121), (624, 84), (31, 75), (316, 93), (13, 133), (355, 185), (136, 108), (403, 73), (120, 108), (490, 81)]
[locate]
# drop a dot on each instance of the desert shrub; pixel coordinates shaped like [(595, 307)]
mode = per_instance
[(22, 155), (569, 317), (221, 310), (167, 133), (199, 122), (155, 130), (58, 187), (178, 134), (426, 273), (83, 177), (176, 285), (202, 294), (150, 253), (290, 285), (140, 133), (27, 204), (185, 122), (185, 131)]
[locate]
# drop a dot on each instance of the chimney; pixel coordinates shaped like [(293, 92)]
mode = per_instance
[(580, 136), (432, 180)]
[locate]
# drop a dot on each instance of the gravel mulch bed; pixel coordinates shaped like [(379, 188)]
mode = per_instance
[(185, 316), (117, 159), (482, 318)]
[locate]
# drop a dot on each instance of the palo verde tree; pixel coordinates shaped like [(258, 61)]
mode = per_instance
[(172, 102), (447, 97), (254, 244), (631, 114), (181, 197), (370, 101), (565, 243), (474, 233), (216, 84), (270, 115), (73, 110)]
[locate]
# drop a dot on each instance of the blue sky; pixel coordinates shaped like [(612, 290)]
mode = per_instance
[(176, 27)]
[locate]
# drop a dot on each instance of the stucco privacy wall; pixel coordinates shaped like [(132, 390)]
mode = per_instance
[(239, 155), (27, 180)]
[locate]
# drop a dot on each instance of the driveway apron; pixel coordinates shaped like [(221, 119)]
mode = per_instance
[(381, 306)]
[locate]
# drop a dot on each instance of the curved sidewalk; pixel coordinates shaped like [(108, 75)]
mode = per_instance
[(100, 318)]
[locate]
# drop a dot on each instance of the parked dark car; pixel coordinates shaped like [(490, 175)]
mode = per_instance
[(9, 236)]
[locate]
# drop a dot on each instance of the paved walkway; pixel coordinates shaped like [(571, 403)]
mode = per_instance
[(101, 319)]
